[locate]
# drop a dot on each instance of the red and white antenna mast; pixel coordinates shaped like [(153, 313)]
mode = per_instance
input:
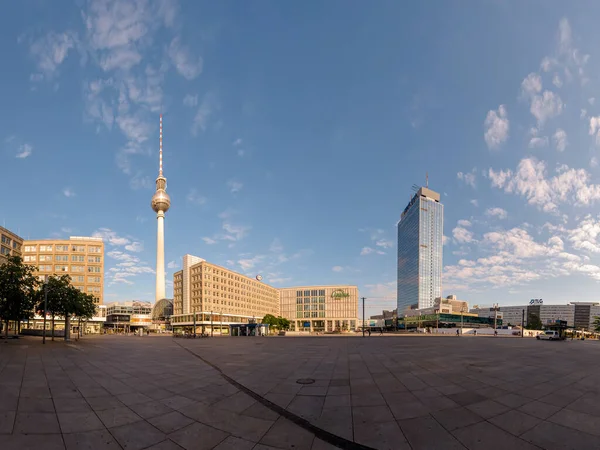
[(160, 170)]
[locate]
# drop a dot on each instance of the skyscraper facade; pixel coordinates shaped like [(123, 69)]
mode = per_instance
[(420, 247)]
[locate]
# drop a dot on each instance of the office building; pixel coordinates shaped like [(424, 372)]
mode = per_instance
[(420, 246), (82, 258), (580, 315), (320, 308), (10, 244), (160, 205), (128, 316), (213, 296)]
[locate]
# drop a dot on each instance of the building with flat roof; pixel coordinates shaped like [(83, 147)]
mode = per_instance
[(420, 247), (128, 316), (212, 296), (82, 258), (10, 244), (320, 308), (580, 315)]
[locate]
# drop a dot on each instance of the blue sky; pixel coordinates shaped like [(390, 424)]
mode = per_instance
[(293, 132)]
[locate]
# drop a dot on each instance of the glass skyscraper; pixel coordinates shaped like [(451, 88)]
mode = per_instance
[(420, 247)]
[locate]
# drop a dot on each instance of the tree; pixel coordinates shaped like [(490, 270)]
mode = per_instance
[(85, 308), (17, 291), (597, 324), (270, 320), (59, 297), (283, 323), (534, 322)]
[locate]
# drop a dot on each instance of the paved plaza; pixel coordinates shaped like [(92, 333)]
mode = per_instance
[(390, 392)]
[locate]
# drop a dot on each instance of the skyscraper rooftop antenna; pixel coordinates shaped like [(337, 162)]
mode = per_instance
[(427, 180), (160, 169)]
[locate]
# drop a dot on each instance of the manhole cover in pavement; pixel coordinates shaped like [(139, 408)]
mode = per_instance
[(305, 381)]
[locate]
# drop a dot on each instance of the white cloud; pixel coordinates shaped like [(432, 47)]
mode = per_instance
[(190, 100), (556, 81), (187, 65), (595, 128), (538, 142), (591, 100), (464, 223), (384, 243), (237, 142), (241, 152), (194, 197), (250, 263), (204, 112), (468, 178), (51, 50), (585, 236), (560, 139), (474, 202), (546, 106), (496, 212), (583, 114), (111, 237), (531, 181), (235, 232), (68, 192), (209, 241), (120, 58), (496, 127), (594, 162), (172, 265), (366, 251), (337, 268), (234, 186), (462, 235), (531, 85), (135, 247), (24, 151)]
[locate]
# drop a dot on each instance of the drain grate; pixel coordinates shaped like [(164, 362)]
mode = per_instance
[(305, 381)]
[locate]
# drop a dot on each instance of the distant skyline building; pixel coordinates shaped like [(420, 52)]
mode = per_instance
[(160, 204), (420, 248)]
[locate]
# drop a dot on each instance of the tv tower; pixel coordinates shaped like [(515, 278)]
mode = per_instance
[(160, 204)]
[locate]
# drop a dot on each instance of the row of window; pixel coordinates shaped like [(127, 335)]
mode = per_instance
[(65, 258), (7, 241), (300, 300), (308, 315), (312, 292), (61, 268), (310, 307), (4, 251), (64, 248)]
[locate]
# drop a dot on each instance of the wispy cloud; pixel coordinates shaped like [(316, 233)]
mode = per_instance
[(203, 113), (237, 142), (234, 186), (24, 151), (496, 212), (195, 198), (68, 192), (468, 178), (496, 127), (172, 265), (187, 65), (190, 100), (337, 269)]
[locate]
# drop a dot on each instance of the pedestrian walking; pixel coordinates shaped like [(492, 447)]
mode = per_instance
[(369, 331), (457, 332)]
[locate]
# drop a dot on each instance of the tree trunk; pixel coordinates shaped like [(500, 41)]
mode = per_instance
[(52, 332), (6, 329), (67, 327), (79, 329)]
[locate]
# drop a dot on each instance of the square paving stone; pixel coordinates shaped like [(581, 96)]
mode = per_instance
[(553, 436), (198, 436), (383, 435), (539, 409), (512, 400), (427, 433), (237, 402), (485, 436), (589, 404), (287, 435), (71, 405), (7, 421), (339, 382), (138, 435), (76, 422), (234, 443), (91, 440), (515, 422), (150, 409), (466, 398), (167, 444), (337, 421), (102, 403), (133, 398), (36, 423), (170, 422), (116, 417), (454, 418), (371, 414), (488, 408), (577, 420), (313, 390), (408, 410), (36, 405), (32, 442), (307, 407)]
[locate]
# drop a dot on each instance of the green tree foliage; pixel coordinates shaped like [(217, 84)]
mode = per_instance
[(278, 323), (597, 324), (534, 322), (17, 291), (283, 324)]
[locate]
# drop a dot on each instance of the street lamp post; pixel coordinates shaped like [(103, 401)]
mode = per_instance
[(211, 324), (194, 333), (45, 307)]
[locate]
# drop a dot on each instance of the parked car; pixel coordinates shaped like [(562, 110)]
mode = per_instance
[(549, 335)]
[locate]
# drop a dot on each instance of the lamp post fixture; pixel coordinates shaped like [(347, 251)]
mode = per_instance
[(45, 307)]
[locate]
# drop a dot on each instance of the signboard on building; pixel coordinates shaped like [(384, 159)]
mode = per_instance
[(536, 301), (339, 293)]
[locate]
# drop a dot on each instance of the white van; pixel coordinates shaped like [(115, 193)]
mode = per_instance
[(549, 335)]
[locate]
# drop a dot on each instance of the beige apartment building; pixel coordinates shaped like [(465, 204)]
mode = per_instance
[(10, 244), (82, 258), (212, 296), (320, 308)]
